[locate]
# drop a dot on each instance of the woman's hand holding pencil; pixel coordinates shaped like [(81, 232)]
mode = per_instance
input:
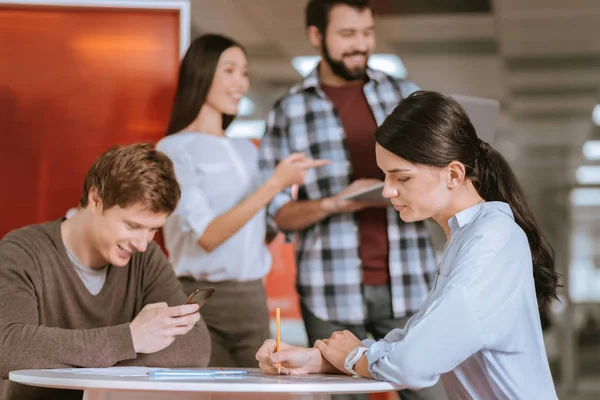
[(277, 357), (293, 360)]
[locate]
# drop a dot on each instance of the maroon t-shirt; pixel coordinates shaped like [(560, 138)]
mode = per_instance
[(359, 126)]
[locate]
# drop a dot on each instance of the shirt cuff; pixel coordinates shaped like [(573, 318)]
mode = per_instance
[(187, 219), (198, 226), (377, 350), (280, 200), (367, 342)]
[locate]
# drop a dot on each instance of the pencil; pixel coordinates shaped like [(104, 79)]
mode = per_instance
[(278, 335)]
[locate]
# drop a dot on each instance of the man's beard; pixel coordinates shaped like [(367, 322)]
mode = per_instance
[(340, 69)]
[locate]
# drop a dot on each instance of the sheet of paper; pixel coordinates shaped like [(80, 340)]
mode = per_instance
[(111, 371)]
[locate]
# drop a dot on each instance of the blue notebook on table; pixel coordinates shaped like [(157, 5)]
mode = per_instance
[(195, 373)]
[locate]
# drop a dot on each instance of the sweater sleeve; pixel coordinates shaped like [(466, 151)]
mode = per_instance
[(25, 344), (161, 285)]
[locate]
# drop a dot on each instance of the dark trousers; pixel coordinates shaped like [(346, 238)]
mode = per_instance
[(379, 323), (237, 318)]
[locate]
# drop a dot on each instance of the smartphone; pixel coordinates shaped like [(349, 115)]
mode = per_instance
[(199, 296)]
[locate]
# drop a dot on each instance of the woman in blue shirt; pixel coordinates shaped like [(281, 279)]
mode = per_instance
[(479, 328)]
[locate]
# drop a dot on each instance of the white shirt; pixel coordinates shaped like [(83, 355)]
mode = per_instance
[(479, 328), (215, 174)]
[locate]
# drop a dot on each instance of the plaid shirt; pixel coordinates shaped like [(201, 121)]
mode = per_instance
[(329, 276)]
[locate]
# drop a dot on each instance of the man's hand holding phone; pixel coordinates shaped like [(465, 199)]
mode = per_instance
[(157, 325)]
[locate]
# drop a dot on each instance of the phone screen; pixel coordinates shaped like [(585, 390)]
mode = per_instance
[(199, 296)]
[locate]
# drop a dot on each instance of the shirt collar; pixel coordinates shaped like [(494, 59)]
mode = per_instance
[(468, 215)]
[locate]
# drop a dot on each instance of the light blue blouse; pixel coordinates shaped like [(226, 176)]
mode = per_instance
[(479, 328)]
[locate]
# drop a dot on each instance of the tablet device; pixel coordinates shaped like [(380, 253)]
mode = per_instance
[(371, 194)]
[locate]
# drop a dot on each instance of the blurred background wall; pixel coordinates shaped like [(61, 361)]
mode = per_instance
[(79, 77)]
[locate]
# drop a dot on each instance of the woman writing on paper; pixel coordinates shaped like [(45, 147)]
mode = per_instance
[(216, 235), (479, 328)]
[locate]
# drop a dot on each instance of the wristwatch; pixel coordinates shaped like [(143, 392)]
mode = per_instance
[(353, 357)]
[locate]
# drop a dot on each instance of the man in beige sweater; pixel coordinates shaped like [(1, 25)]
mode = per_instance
[(95, 290)]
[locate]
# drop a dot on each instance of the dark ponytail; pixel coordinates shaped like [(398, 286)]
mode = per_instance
[(429, 128), (495, 181)]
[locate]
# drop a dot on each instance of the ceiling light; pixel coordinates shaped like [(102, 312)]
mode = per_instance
[(389, 63), (246, 107), (305, 64), (246, 129), (591, 149), (596, 115), (585, 197), (588, 174)]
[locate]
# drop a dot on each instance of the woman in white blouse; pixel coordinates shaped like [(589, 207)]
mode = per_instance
[(216, 236), (479, 328)]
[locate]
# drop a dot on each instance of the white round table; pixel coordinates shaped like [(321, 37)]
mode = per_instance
[(255, 385)]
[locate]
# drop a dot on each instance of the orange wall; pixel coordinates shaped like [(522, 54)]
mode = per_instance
[(74, 82), (281, 281)]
